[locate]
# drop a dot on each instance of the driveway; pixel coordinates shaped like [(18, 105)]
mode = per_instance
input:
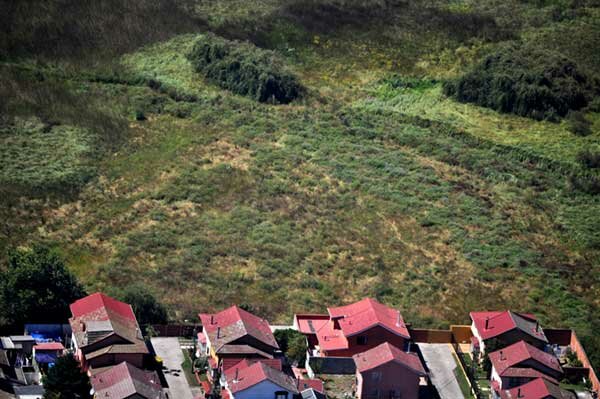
[(441, 364), (172, 356)]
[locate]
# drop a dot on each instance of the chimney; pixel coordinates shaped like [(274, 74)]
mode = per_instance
[(519, 395), (237, 373), (398, 320), (502, 355), (218, 332), (487, 322), (212, 319), (537, 326)]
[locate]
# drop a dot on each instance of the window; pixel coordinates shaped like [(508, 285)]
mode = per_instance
[(281, 395), (361, 340)]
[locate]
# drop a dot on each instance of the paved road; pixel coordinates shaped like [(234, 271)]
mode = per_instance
[(170, 352), (441, 364)]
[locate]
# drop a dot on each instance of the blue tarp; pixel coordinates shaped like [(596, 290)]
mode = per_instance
[(48, 332), (45, 358)]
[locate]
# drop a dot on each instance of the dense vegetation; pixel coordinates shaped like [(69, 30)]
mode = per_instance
[(136, 168), (66, 380), (244, 69), (526, 81), (293, 344), (36, 288)]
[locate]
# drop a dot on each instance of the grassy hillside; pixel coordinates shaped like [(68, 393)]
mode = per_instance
[(374, 183)]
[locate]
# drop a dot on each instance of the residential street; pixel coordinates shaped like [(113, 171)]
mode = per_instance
[(441, 364), (170, 352)]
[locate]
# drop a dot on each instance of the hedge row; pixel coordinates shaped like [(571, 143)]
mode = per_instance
[(244, 69), (526, 81)]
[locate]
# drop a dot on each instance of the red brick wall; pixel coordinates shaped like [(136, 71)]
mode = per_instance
[(582, 356)]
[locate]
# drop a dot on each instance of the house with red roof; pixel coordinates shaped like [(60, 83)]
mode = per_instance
[(351, 329), (538, 388), (506, 328), (259, 381), (125, 381), (521, 363), (235, 334), (105, 332), (388, 372)]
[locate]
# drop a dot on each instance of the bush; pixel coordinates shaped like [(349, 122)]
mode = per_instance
[(526, 81), (293, 344), (244, 69), (589, 158), (66, 380), (578, 124), (147, 309)]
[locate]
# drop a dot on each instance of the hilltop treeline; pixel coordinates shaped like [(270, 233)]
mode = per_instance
[(244, 69), (526, 81)]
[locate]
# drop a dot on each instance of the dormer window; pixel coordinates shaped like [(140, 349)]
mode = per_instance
[(281, 395)]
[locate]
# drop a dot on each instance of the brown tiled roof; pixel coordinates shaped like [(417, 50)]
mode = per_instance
[(139, 347), (243, 350), (234, 323), (125, 380)]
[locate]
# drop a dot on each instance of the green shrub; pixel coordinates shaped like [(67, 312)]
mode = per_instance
[(293, 344), (589, 158), (244, 69), (525, 81), (578, 124)]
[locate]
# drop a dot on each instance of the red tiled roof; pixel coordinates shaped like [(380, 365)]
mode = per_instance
[(124, 380), (311, 323), (330, 338), (49, 346), (247, 377), (97, 317), (235, 323), (386, 353), (102, 304), (519, 352), (499, 323), (229, 363), (362, 315), (536, 389), (315, 384)]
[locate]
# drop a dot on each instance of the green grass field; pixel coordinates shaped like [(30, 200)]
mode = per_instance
[(364, 187)]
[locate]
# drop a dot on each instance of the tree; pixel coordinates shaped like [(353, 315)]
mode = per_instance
[(293, 344), (147, 309), (66, 380), (36, 287)]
